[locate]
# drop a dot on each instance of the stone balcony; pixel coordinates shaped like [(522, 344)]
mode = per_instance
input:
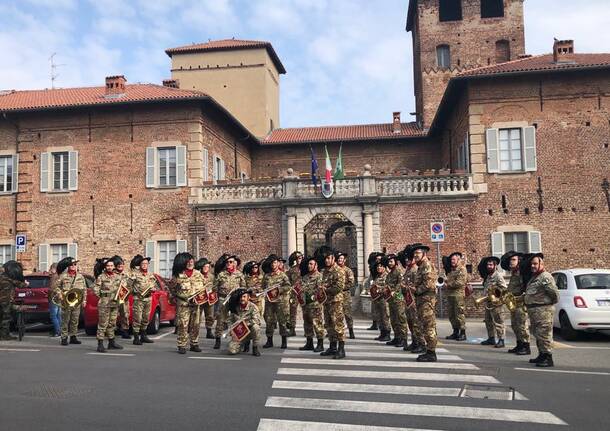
[(292, 190)]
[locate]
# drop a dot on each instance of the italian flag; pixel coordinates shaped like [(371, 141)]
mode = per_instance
[(329, 168)]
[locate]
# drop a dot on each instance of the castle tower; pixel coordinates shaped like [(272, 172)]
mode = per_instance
[(242, 75), (450, 36)]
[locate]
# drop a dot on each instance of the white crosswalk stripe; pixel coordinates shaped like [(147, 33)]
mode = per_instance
[(285, 425), (392, 364), (368, 353)]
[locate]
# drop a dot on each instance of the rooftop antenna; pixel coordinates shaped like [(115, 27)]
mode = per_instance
[(54, 67)]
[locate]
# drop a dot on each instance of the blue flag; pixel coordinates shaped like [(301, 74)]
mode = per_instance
[(314, 168)]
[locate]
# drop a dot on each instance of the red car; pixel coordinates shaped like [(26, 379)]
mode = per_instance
[(160, 311)]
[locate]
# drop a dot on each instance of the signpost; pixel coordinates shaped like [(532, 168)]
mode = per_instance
[(437, 235), (20, 243)]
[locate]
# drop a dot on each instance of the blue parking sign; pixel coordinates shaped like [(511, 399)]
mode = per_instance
[(20, 243)]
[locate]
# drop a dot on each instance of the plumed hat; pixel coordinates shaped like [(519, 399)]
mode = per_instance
[(293, 257), (137, 260), (506, 257), (305, 265), (63, 264), (201, 263), (180, 262), (233, 303), (249, 267), (13, 270)]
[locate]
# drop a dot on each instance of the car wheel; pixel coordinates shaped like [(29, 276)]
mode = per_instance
[(155, 323), (90, 330), (566, 330)]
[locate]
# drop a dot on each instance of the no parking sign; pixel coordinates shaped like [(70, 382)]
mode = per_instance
[(437, 232)]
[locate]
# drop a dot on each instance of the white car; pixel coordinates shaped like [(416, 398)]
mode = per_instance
[(584, 301)]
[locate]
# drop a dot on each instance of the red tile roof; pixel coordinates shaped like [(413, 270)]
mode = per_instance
[(228, 45), (540, 63), (342, 133), (34, 100)]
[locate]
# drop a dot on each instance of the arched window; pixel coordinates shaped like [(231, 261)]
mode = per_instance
[(443, 56), (502, 51)]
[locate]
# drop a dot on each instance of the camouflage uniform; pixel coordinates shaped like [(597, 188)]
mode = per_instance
[(411, 311), (106, 287), (124, 308), (187, 313), (224, 283), (455, 286), (518, 317), (425, 298), (277, 312), (141, 281), (313, 318), (7, 296), (494, 320), (254, 283), (294, 276), (252, 317), (540, 296), (70, 315), (379, 308), (207, 310), (333, 280), (347, 296), (397, 303)]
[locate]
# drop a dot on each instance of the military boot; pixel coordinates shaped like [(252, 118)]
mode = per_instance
[(182, 350), (393, 342), (74, 340), (195, 348), (385, 336), (144, 338), (125, 334), (516, 348), (536, 359), (546, 361), (524, 350), (340, 351), (246, 347), (100, 346), (453, 336), (351, 333), (136, 339), (489, 342), (292, 333), (408, 347), (308, 344), (399, 342), (373, 327), (320, 346), (269, 343), (112, 345), (332, 349), (461, 335), (208, 333), (429, 356), (255, 351), (284, 342), (64, 341), (500, 344), (217, 343), (419, 348)]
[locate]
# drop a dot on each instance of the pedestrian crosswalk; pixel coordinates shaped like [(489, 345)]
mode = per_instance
[(381, 388)]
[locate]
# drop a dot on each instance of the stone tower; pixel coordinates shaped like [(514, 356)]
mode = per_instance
[(242, 75), (450, 36)]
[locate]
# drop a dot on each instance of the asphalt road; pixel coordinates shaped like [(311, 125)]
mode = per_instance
[(45, 386)]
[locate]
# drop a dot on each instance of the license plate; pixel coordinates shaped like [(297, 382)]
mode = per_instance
[(603, 302), (21, 295)]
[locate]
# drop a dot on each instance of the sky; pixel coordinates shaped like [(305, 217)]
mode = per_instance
[(347, 61)]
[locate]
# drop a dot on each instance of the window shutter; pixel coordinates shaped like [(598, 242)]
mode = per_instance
[(205, 166), (150, 252), (13, 252), (467, 153), (180, 165), (535, 244), (73, 250), (44, 172), (150, 167), (222, 169), (497, 244), (493, 152), (529, 148), (180, 246), (43, 257), (15, 173), (73, 168)]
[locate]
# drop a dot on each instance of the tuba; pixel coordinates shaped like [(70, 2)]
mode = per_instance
[(72, 298)]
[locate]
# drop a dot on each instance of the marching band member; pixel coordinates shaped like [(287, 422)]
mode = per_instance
[(143, 284), (294, 275), (333, 281), (229, 279), (396, 301), (313, 318), (425, 299), (377, 274), (107, 285), (68, 279), (418, 344), (493, 281), (243, 310), (455, 284), (347, 293), (379, 306), (11, 278), (203, 265), (119, 268), (511, 261), (254, 284), (277, 308)]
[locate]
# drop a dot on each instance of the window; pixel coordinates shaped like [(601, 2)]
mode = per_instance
[(516, 241), (592, 281), (167, 252), (167, 167), (463, 161), (205, 165), (6, 253), (511, 150), (219, 169), (502, 51), (561, 281), (8, 177), (59, 171), (53, 253), (520, 241), (492, 8), (443, 56), (243, 177), (450, 10), (58, 252)]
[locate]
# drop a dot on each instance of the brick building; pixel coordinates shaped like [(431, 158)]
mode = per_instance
[(509, 151)]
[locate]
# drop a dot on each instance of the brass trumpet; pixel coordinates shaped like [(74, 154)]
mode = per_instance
[(71, 299), (514, 302), (494, 298)]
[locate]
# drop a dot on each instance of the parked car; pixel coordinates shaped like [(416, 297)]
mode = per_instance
[(35, 295), (584, 301), (161, 309)]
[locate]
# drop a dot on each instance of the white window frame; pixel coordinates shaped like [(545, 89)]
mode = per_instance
[(443, 53), (154, 249), (9, 162), (60, 255), (219, 172), (69, 173), (205, 165), (7, 252), (464, 155), (512, 154), (63, 173), (153, 165), (166, 154), (499, 246), (527, 149)]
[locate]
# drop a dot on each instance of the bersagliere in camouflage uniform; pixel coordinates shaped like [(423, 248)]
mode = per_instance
[(203, 265), (143, 284), (241, 308), (313, 317), (519, 322), (396, 302), (106, 286), (455, 286), (541, 295), (229, 279), (493, 284), (347, 292), (119, 268), (11, 279), (374, 256), (333, 282), (277, 312), (425, 299), (69, 278), (418, 344), (294, 275)]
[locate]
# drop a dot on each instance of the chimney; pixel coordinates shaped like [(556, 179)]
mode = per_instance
[(563, 51), (115, 85), (396, 128), (171, 83)]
